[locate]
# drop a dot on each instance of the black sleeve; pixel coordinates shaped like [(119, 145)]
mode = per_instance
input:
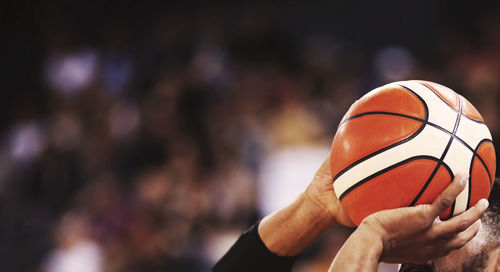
[(250, 254)]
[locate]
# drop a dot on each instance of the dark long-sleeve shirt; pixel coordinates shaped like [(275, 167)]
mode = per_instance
[(250, 254)]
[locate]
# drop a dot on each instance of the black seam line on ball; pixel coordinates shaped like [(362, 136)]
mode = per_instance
[(418, 131), (459, 96), (382, 113), (472, 165), (422, 126), (470, 168), (440, 162), (413, 118), (492, 180), (378, 152), (426, 109), (424, 122), (451, 178), (419, 119), (380, 172), (470, 176)]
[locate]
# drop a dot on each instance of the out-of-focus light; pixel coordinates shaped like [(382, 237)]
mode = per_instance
[(123, 119), (85, 256), (394, 63), (75, 251), (70, 73), (116, 73), (27, 142), (65, 132), (209, 65)]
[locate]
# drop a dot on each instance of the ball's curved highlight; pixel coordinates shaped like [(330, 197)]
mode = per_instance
[(401, 145)]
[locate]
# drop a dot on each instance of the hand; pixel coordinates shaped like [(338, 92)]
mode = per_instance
[(416, 234), (290, 230), (411, 234), (320, 192)]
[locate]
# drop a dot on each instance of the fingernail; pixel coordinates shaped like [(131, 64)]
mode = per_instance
[(463, 179), (483, 203)]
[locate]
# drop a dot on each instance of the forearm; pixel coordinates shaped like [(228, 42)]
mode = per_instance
[(286, 233), (292, 229), (280, 236), (250, 254), (361, 252)]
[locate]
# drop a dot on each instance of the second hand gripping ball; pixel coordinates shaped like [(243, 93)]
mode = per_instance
[(401, 145)]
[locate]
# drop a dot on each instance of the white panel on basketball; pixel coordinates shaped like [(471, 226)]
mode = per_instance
[(472, 132), (440, 113), (458, 159), (430, 142)]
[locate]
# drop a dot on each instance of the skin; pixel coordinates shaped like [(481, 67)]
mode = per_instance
[(465, 258), (300, 223), (410, 235), (413, 234)]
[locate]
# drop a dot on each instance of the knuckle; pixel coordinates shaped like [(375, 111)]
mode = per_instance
[(462, 226), (374, 223), (424, 208), (431, 236), (447, 201), (370, 221), (425, 215), (421, 219)]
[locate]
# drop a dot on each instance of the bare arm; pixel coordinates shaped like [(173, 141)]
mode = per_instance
[(292, 229), (286, 233), (361, 252)]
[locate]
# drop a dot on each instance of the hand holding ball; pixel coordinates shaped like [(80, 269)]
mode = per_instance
[(401, 145)]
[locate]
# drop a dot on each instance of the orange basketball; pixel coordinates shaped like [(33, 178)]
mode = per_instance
[(401, 145)]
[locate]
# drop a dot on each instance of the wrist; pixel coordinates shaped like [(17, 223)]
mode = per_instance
[(372, 235), (314, 202), (361, 252), (315, 211), (290, 230)]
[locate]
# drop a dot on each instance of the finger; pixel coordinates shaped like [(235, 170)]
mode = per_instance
[(448, 196), (463, 237), (463, 221)]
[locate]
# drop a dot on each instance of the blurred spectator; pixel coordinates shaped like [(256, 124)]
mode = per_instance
[(74, 250)]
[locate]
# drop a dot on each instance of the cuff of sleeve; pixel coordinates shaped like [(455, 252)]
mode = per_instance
[(250, 254)]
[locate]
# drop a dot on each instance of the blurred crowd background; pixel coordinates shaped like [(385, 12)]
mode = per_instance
[(148, 136)]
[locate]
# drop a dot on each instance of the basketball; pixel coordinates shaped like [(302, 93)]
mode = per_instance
[(401, 145)]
